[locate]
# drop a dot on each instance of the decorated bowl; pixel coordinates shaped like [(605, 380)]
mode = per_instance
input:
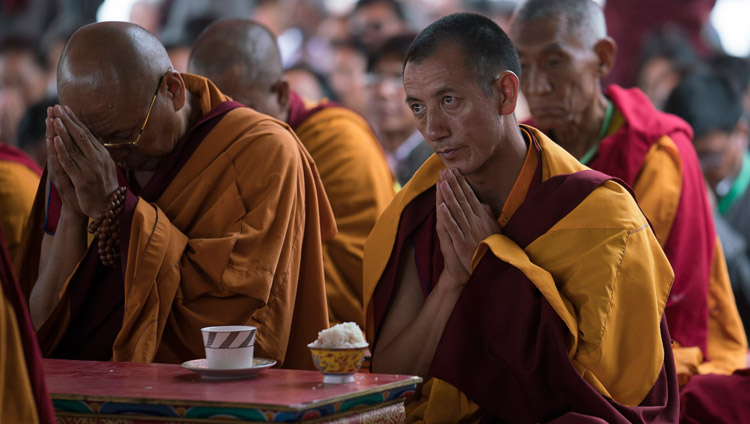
[(338, 365)]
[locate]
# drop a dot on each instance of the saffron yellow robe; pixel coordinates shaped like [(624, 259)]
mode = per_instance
[(17, 403), (18, 186), (235, 238), (600, 267), (359, 186)]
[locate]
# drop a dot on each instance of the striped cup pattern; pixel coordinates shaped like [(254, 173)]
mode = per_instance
[(228, 337)]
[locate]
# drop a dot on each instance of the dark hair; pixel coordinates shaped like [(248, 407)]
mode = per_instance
[(707, 101), (487, 49), (396, 47), (735, 69), (22, 44), (393, 4), (671, 43), (324, 85), (31, 128)]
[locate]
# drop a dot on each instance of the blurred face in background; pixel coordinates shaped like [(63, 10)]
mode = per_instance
[(347, 77), (22, 82), (375, 23), (657, 78), (388, 110), (721, 153)]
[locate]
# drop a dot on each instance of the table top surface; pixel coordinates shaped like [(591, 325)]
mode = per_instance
[(277, 389)]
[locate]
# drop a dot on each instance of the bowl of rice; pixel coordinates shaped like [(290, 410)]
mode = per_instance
[(339, 352)]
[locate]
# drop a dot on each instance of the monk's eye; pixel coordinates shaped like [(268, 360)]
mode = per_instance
[(416, 108), (449, 100)]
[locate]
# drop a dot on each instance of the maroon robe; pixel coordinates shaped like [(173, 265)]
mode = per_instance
[(503, 345)]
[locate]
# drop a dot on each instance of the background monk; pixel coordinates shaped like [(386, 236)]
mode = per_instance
[(19, 178), (564, 52), (23, 394), (530, 288), (242, 58), (220, 218)]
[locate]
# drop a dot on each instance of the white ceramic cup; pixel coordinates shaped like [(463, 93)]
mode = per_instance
[(229, 346)]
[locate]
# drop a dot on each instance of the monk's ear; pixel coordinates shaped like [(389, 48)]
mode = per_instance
[(606, 51), (281, 89), (505, 88), (175, 89)]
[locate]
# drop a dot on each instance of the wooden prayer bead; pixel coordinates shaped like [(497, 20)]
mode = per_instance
[(107, 228)]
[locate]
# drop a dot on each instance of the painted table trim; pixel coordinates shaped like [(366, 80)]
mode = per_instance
[(81, 401)]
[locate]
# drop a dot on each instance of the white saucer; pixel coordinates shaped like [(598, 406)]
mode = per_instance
[(201, 367)]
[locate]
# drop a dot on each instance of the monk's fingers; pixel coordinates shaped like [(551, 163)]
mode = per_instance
[(453, 177), (471, 198), (449, 199), (67, 163), (82, 138), (48, 123), (463, 246), (62, 133)]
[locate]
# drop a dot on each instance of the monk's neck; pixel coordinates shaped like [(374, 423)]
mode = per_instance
[(582, 133), (494, 181), (190, 114)]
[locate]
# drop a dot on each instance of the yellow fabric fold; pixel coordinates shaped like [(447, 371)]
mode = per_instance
[(595, 302), (359, 186), (17, 404), (18, 186)]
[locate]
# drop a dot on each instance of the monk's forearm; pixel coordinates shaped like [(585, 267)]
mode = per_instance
[(411, 352), (63, 251)]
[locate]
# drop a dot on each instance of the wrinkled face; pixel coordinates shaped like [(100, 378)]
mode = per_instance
[(388, 111), (720, 154), (118, 119), (460, 122), (375, 23), (19, 72), (559, 74)]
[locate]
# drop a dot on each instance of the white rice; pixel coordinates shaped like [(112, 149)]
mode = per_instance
[(344, 335)]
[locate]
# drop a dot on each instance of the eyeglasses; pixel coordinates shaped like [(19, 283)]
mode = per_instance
[(134, 143), (373, 80)]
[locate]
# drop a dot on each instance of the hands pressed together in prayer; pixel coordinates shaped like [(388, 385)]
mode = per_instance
[(462, 223), (80, 167)]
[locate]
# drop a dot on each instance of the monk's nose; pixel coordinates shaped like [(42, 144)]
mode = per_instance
[(435, 127), (535, 82)]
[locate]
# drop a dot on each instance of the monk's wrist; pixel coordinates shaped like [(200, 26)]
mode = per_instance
[(72, 218)]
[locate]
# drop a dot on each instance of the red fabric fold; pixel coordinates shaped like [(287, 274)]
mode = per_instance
[(622, 155)]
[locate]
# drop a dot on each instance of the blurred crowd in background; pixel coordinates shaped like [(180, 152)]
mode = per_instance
[(346, 50), (352, 52)]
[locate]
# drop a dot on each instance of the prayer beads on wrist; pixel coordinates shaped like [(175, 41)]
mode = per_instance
[(107, 228)]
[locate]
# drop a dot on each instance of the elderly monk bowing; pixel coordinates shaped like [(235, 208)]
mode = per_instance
[(564, 52), (528, 287), (242, 58), (217, 218)]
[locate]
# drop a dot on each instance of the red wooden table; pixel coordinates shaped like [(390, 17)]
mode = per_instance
[(119, 392)]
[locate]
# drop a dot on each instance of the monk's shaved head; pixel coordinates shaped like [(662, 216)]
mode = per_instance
[(119, 57), (242, 58), (584, 18)]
